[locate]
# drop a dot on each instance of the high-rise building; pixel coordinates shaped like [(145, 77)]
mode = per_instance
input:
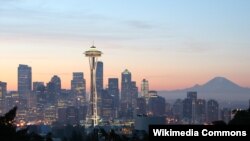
[(113, 90), (201, 111), (144, 88), (156, 106), (3, 92), (53, 89), (56, 80), (50, 113), (72, 115), (178, 109), (212, 110), (107, 108), (24, 80), (134, 93), (37, 86), (189, 107), (78, 87), (192, 95), (99, 85), (141, 108), (126, 95), (3, 89), (99, 76)]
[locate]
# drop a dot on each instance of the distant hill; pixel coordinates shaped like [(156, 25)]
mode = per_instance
[(218, 88)]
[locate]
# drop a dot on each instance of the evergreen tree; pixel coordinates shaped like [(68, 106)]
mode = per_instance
[(9, 131)]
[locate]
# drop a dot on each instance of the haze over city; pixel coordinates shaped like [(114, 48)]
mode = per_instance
[(170, 44)]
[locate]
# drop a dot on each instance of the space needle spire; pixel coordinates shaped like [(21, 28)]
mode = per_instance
[(93, 55)]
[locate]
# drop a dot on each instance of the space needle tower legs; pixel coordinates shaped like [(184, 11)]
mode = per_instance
[(93, 55)]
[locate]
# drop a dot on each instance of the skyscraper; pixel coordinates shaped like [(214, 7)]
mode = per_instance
[(134, 93), (37, 86), (78, 87), (178, 109), (78, 84), (144, 88), (56, 80), (141, 108), (192, 95), (54, 89), (24, 80), (201, 111), (3, 89), (212, 110), (107, 108), (3, 92), (156, 105), (99, 85), (189, 107), (113, 90), (126, 98), (99, 76)]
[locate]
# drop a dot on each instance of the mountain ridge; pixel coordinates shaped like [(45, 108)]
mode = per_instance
[(216, 88)]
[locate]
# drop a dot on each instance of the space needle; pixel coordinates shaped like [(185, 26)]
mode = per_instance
[(93, 55)]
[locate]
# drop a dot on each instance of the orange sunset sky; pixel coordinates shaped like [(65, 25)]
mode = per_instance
[(173, 44)]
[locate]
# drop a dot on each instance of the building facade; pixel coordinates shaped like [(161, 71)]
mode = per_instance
[(24, 80)]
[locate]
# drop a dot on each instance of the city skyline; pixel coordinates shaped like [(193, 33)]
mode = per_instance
[(174, 45)]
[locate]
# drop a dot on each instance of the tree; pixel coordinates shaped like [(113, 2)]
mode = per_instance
[(241, 118), (9, 131)]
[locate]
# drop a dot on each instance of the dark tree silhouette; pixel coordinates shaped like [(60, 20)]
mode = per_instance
[(241, 118), (9, 131)]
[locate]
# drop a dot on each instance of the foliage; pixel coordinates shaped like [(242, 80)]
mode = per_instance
[(9, 131)]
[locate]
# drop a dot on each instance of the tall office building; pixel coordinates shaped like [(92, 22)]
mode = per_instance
[(189, 107), (78, 84), (141, 108), (134, 93), (3, 92), (201, 111), (178, 109), (99, 76), (24, 80), (212, 110), (56, 80), (144, 88), (156, 106), (38, 86), (107, 108), (53, 89), (113, 90), (126, 97), (99, 85), (192, 95), (3, 89)]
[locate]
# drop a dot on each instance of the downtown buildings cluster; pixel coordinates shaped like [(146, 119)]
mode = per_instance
[(50, 103), (38, 102), (41, 103)]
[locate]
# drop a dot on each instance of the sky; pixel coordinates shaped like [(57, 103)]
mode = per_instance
[(172, 43)]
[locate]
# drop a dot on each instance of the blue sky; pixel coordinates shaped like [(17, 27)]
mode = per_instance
[(186, 39)]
